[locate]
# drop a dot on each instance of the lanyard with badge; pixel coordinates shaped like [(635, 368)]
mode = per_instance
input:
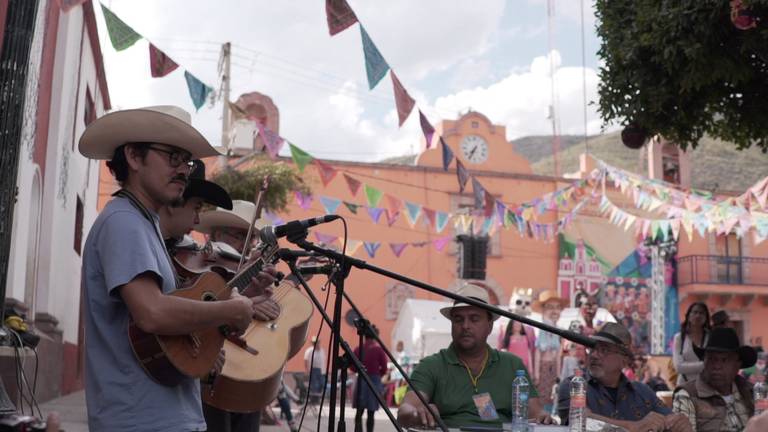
[(483, 401)]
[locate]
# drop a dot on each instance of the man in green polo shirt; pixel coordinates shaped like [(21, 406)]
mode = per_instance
[(468, 383)]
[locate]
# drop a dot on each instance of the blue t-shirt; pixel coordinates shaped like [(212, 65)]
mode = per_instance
[(120, 396)]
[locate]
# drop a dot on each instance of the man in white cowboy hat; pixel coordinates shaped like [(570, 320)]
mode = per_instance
[(468, 383), (127, 272), (719, 399)]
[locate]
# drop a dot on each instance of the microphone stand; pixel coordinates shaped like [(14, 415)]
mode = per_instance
[(337, 362)]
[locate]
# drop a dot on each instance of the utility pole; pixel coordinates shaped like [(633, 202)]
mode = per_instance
[(553, 108), (224, 70)]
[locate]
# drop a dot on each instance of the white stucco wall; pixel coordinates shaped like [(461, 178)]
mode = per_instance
[(68, 175)]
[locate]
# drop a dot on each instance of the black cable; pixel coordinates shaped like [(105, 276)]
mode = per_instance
[(33, 404)]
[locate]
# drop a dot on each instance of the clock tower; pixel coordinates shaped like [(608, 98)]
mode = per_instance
[(477, 143)]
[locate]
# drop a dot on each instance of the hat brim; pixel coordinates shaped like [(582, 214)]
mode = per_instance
[(210, 192), (102, 137), (224, 219), (446, 311), (538, 306), (747, 354)]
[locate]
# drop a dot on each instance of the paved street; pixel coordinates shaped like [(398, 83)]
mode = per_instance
[(74, 419)]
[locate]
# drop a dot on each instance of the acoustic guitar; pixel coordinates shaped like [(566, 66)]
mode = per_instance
[(251, 376), (170, 359)]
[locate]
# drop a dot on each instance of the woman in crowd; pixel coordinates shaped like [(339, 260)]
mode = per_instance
[(693, 332)]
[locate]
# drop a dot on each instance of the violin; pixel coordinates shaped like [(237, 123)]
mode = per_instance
[(192, 260)]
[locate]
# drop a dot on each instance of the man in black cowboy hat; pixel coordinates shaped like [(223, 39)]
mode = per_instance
[(611, 397), (719, 399)]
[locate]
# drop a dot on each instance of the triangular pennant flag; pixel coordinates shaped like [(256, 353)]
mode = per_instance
[(373, 195), (440, 243), (371, 248), (479, 191), (501, 213), (441, 220), (413, 211), (462, 174), (420, 244), (304, 201), (327, 239), (426, 128), (160, 64), (353, 246), (273, 218), (352, 207), (330, 205), (430, 214), (489, 204), (375, 65), (394, 204), (327, 172), (300, 157), (391, 217), (121, 34), (339, 15), (398, 248), (375, 213), (272, 141), (675, 225), (447, 154), (403, 101), (197, 90), (354, 185)]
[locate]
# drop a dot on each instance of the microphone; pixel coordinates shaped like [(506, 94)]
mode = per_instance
[(316, 269), (270, 234)]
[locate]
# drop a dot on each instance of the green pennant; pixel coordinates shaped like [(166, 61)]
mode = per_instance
[(373, 195), (352, 207), (300, 157), (120, 33)]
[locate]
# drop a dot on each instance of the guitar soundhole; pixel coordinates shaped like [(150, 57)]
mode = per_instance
[(208, 296)]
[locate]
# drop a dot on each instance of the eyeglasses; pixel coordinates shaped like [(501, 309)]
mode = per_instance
[(176, 158), (605, 350)]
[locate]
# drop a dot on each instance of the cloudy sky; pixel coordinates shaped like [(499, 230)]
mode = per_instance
[(451, 55)]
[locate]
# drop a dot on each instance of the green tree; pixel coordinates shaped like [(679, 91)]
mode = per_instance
[(682, 69), (244, 184)]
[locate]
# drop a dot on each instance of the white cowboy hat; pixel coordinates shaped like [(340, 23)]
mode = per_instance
[(469, 290), (240, 216), (163, 124), (546, 297)]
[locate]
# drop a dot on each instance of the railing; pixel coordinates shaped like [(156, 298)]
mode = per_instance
[(722, 270)]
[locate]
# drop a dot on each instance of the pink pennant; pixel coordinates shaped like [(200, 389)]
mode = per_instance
[(327, 172), (326, 238), (391, 217), (426, 128), (304, 201), (354, 185), (272, 141), (398, 248), (160, 64), (490, 204), (340, 16), (440, 243), (403, 100), (394, 204), (430, 216)]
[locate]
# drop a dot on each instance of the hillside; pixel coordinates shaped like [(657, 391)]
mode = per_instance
[(716, 164), (537, 147)]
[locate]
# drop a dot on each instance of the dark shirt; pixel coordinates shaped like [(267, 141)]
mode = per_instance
[(374, 358), (632, 400)]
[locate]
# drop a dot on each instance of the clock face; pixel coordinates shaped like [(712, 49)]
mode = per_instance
[(475, 149)]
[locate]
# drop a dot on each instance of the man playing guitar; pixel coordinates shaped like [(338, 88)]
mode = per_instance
[(127, 273)]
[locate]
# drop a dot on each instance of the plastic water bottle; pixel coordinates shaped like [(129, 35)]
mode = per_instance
[(520, 388), (577, 420), (761, 395)]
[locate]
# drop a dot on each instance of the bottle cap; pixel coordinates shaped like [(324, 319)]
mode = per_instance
[(578, 372), (520, 372)]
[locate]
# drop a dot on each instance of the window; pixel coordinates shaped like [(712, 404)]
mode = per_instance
[(467, 201), (89, 114), (728, 259), (79, 226)]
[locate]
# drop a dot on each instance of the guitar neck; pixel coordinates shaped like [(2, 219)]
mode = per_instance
[(243, 278)]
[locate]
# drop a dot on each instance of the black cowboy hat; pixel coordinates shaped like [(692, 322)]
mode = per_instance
[(211, 193), (725, 339)]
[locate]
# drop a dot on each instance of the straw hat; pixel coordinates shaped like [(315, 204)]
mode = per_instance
[(469, 290), (163, 124), (240, 217), (546, 297)]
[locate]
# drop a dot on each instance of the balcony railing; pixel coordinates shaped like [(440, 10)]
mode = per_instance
[(722, 270)]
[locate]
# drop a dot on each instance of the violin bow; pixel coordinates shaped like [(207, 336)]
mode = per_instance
[(259, 201)]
